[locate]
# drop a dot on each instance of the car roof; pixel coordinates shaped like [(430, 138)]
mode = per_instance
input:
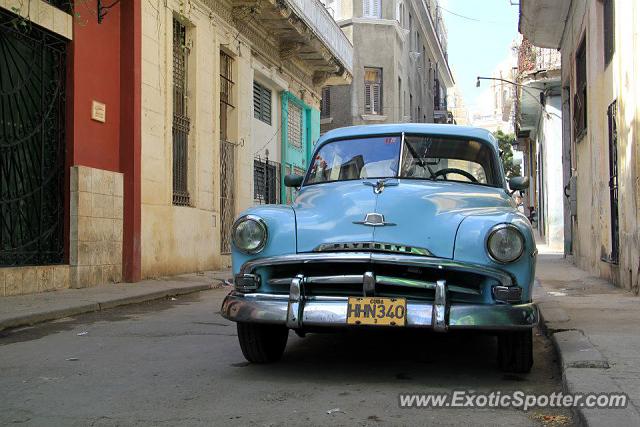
[(426, 128)]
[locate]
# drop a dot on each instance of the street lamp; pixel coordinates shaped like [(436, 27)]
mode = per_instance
[(524, 88)]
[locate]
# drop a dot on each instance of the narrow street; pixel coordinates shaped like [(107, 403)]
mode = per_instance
[(177, 362)]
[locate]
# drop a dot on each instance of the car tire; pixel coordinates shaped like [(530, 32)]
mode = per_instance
[(515, 351), (262, 343)]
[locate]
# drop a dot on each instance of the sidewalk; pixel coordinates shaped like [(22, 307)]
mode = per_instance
[(26, 310), (594, 327)]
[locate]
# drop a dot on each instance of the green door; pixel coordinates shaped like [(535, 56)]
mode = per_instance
[(296, 140)]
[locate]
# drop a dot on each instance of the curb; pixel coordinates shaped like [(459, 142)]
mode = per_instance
[(40, 317), (584, 371)]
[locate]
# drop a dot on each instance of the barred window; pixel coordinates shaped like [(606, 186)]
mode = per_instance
[(226, 92), (373, 91), (266, 181), (325, 104), (261, 103), (294, 129), (181, 121)]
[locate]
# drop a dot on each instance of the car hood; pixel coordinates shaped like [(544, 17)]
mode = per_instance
[(417, 213)]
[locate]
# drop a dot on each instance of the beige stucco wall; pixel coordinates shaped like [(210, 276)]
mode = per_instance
[(178, 239), (592, 229)]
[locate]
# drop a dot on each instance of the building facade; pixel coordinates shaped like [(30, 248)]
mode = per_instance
[(538, 127), (494, 110), (240, 84), (159, 122), (600, 125), (401, 72)]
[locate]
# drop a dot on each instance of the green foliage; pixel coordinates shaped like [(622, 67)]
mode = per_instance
[(505, 141)]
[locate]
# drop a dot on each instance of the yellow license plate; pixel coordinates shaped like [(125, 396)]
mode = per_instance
[(377, 311)]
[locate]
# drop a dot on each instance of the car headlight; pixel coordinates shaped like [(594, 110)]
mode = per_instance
[(249, 234), (505, 243)]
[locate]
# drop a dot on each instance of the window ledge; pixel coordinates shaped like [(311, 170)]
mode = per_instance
[(373, 117), (326, 120)]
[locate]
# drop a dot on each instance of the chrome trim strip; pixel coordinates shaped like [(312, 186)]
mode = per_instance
[(356, 279), (409, 283), (461, 290), (503, 277), (335, 280), (332, 312)]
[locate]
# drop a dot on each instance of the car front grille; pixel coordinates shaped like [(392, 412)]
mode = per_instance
[(345, 279)]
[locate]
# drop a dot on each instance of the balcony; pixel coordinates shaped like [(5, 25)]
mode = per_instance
[(535, 59), (301, 29), (538, 76)]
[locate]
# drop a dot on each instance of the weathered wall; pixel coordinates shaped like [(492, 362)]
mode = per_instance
[(590, 153), (178, 239)]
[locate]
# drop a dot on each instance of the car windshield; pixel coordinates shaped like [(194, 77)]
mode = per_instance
[(418, 157)]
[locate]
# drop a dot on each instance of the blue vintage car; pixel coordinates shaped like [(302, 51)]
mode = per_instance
[(396, 226)]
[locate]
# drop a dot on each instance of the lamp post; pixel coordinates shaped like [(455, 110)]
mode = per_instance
[(524, 88)]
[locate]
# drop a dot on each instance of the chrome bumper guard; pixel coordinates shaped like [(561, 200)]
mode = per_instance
[(298, 311)]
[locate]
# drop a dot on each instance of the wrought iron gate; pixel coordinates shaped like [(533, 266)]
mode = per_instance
[(32, 155)]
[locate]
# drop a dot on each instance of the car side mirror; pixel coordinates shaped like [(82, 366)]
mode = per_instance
[(293, 181), (519, 183)]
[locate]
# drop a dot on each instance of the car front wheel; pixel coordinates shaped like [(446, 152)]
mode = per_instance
[(515, 351), (262, 343)]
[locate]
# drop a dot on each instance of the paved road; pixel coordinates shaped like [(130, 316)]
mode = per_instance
[(178, 363)]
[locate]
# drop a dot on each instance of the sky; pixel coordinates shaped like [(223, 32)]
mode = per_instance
[(477, 45)]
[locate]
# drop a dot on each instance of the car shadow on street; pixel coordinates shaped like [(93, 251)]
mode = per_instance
[(409, 357)]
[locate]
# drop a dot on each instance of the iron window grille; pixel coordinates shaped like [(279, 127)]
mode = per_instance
[(181, 121), (325, 103), (373, 91), (609, 30), (580, 97), (266, 181), (612, 112), (261, 103)]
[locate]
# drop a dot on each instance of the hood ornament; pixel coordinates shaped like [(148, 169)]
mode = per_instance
[(374, 219), (378, 186)]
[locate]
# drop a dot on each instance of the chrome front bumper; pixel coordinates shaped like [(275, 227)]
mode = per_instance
[(332, 312)]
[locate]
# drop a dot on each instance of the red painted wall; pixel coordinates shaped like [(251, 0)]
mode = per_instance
[(95, 55), (104, 64)]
